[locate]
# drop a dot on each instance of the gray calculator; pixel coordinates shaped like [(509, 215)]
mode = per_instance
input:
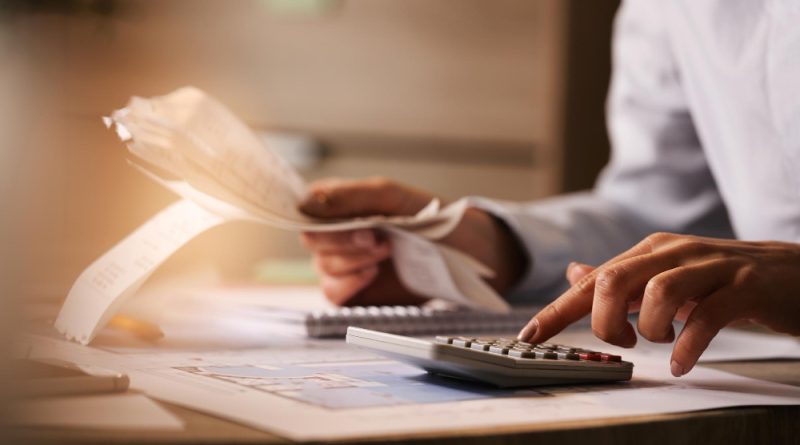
[(501, 362)]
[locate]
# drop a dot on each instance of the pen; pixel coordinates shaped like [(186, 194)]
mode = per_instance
[(143, 330)]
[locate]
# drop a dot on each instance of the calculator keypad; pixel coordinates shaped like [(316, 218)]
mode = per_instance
[(520, 349)]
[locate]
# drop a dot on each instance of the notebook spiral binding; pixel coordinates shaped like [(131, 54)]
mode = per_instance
[(413, 320)]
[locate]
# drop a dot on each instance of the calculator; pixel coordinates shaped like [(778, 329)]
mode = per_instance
[(498, 361)]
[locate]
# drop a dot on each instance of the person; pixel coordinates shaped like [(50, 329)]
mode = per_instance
[(696, 216)]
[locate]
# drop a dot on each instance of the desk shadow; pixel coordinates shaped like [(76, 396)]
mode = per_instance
[(480, 389)]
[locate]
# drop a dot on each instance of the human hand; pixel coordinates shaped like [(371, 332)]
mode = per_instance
[(708, 282), (354, 266)]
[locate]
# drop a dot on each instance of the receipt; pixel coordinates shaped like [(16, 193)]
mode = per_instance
[(118, 274), (225, 173)]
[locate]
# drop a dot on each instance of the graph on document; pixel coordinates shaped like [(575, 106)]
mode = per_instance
[(355, 384)]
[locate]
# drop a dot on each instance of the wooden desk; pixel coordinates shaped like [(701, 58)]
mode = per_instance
[(747, 425)]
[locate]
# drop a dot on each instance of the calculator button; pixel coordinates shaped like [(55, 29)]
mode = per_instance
[(498, 349), (545, 353), (610, 358), (521, 349), (568, 355), (462, 341), (593, 356), (522, 353), (480, 346), (444, 340)]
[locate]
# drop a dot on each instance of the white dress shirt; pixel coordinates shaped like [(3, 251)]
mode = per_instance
[(704, 119)]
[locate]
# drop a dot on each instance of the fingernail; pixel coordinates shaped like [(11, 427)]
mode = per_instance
[(529, 330), (576, 271), (676, 369), (364, 238), (571, 272)]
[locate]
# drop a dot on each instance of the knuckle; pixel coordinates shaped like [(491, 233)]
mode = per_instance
[(659, 238), (695, 247), (661, 288), (609, 280), (747, 276)]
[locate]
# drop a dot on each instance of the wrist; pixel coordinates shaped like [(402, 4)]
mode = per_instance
[(489, 240)]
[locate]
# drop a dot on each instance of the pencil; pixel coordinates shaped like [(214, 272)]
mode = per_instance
[(143, 330)]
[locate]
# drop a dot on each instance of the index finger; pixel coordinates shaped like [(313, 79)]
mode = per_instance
[(340, 198), (573, 304), (570, 307)]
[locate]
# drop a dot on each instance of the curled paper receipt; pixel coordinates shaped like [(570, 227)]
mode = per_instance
[(225, 173)]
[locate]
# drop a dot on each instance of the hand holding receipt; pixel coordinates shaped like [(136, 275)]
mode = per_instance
[(226, 174)]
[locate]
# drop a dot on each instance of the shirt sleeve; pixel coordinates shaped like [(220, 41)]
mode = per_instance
[(657, 179)]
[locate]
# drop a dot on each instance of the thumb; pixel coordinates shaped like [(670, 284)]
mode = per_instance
[(576, 272), (342, 198)]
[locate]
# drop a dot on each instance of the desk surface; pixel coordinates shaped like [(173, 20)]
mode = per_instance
[(773, 425)]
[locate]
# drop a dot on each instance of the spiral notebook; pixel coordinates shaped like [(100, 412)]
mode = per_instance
[(404, 320)]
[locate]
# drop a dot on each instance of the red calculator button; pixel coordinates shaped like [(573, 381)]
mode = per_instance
[(589, 356), (610, 358)]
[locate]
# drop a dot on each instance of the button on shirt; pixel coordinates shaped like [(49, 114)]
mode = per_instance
[(704, 119)]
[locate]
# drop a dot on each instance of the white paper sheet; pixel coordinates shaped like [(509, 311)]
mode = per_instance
[(730, 344), (106, 411), (226, 174), (325, 390)]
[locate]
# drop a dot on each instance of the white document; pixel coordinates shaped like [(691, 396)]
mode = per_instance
[(225, 173), (105, 411), (326, 390), (729, 345)]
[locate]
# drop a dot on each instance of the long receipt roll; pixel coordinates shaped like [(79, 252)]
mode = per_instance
[(105, 285), (227, 174)]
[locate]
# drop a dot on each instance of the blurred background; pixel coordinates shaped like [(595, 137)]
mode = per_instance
[(499, 98)]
